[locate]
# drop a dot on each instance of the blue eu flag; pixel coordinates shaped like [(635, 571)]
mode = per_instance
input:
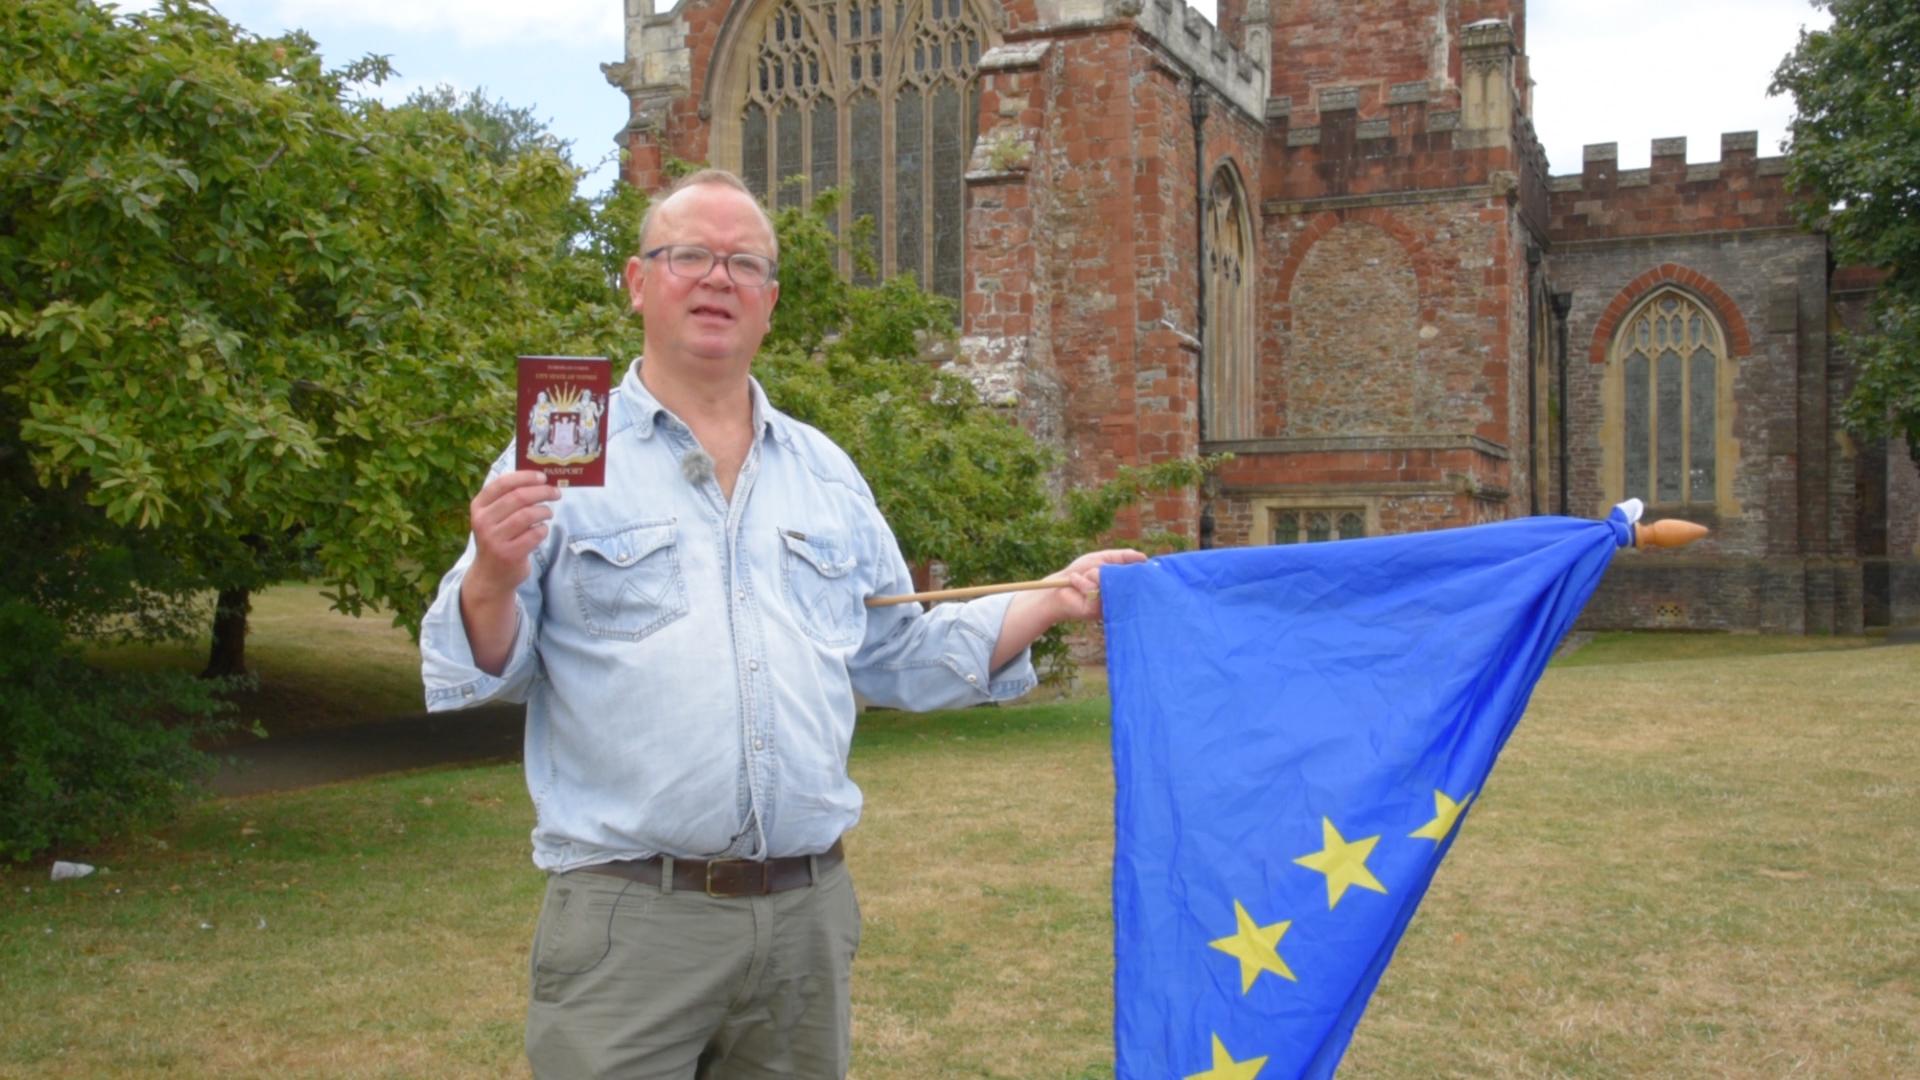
[(1297, 731)]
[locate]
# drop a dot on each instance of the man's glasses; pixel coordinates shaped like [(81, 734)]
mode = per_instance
[(693, 261)]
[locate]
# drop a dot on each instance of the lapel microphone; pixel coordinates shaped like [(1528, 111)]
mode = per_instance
[(697, 466)]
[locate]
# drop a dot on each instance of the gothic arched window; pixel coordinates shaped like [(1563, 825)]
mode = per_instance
[(1231, 388), (1670, 357), (874, 97)]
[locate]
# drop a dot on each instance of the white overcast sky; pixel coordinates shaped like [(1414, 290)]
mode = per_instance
[(1625, 71)]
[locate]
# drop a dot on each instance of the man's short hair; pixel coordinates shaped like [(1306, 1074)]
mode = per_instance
[(718, 177)]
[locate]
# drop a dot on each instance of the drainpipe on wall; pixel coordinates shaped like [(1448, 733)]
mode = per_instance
[(1533, 391), (1562, 304), (1199, 104)]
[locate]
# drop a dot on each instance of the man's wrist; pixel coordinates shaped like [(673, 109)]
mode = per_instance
[(482, 587)]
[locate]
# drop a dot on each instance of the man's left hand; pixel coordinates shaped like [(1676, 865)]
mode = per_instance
[(1080, 599)]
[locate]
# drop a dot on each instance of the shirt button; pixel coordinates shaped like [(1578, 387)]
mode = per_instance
[(975, 679), (759, 744), (754, 665), (741, 596)]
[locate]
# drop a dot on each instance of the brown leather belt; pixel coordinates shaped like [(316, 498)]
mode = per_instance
[(729, 877)]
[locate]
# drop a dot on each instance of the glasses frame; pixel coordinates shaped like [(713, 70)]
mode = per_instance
[(727, 260)]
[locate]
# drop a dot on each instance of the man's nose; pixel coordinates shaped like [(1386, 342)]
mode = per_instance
[(717, 275)]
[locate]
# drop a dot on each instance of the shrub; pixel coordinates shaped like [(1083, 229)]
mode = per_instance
[(89, 754)]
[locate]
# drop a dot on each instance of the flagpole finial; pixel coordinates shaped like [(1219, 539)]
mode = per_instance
[(1670, 533)]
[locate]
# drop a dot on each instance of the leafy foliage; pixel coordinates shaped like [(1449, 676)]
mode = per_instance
[(506, 130), (254, 318), (1855, 152), (84, 755), (251, 326)]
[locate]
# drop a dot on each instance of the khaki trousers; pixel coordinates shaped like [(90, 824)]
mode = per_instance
[(641, 981)]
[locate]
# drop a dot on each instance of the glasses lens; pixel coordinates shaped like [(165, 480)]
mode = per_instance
[(749, 269), (690, 261)]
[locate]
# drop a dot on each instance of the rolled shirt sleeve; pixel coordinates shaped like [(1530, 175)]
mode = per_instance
[(933, 658), (446, 655)]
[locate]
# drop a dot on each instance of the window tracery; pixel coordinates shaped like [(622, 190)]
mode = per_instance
[(876, 98), (1670, 355)]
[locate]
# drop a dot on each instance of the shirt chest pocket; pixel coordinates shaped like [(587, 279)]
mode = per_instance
[(822, 587), (628, 583)]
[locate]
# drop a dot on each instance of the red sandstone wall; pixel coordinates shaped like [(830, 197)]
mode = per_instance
[(1322, 43)]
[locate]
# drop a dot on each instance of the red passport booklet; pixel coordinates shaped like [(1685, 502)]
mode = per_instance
[(562, 418)]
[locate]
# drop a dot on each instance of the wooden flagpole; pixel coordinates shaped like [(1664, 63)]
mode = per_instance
[(1670, 533)]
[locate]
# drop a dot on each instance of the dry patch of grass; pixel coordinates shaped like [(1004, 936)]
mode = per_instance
[(1679, 869), (1684, 868)]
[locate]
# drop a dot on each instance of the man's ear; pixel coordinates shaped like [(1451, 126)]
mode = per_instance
[(635, 274), (773, 301)]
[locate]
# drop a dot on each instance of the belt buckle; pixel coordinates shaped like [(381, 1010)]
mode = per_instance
[(766, 877)]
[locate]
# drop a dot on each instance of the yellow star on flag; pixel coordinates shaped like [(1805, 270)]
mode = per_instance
[(1344, 863), (1445, 813), (1225, 1068), (1255, 947)]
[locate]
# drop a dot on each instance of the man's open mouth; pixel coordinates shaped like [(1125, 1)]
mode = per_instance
[(713, 312)]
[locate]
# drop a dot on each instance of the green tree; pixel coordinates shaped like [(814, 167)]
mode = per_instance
[(251, 320), (1855, 153), (507, 130), (251, 325)]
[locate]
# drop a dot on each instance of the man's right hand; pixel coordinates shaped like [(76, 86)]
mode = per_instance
[(509, 520)]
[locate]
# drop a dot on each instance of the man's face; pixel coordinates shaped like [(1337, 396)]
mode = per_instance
[(709, 320)]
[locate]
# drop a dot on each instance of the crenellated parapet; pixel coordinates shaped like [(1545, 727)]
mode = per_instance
[(1375, 138), (1235, 74), (1741, 191)]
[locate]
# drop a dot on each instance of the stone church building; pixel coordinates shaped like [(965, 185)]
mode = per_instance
[(1323, 237)]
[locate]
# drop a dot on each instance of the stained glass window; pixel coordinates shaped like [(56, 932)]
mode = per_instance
[(1229, 363), (909, 165), (875, 97), (1669, 355)]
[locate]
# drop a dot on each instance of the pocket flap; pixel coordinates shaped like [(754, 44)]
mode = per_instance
[(824, 554), (628, 546)]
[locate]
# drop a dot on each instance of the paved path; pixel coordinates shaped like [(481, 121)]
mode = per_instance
[(322, 757)]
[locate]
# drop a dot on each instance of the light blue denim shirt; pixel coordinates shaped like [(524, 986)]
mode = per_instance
[(689, 664)]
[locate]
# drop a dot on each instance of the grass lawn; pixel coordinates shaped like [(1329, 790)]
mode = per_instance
[(316, 667), (1704, 866)]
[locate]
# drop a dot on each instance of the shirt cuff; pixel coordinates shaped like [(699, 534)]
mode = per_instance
[(980, 632), (446, 659)]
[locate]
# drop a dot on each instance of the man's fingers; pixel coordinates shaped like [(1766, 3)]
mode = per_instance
[(526, 485), (513, 525), (522, 544), (509, 519), (493, 507)]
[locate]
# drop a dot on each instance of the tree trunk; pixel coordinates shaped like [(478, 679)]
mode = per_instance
[(229, 653)]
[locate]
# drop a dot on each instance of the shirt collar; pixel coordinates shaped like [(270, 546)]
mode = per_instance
[(645, 410)]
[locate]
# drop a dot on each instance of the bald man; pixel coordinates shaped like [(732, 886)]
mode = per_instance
[(689, 640)]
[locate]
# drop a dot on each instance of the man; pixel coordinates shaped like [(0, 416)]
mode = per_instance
[(689, 640)]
